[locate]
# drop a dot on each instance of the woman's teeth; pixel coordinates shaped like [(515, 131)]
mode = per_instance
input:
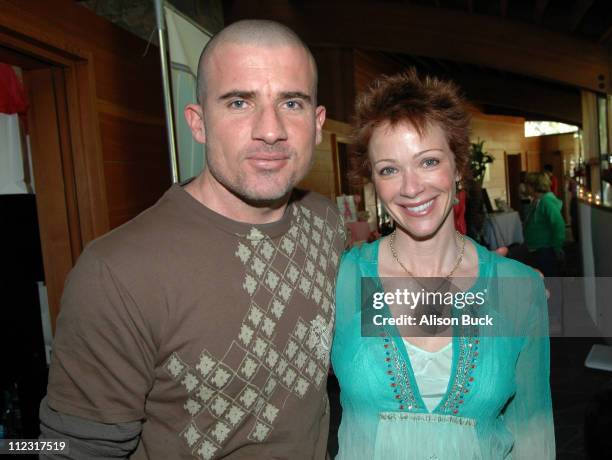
[(420, 208)]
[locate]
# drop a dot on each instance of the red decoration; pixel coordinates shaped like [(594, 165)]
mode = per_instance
[(12, 95)]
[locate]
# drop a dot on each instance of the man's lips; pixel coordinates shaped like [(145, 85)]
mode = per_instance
[(268, 157), (269, 162)]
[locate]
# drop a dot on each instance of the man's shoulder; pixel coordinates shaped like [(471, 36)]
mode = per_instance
[(314, 201), (150, 231)]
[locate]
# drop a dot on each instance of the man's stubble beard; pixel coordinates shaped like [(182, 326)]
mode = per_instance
[(240, 189)]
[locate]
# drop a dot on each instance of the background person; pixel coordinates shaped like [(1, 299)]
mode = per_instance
[(544, 226), (554, 183)]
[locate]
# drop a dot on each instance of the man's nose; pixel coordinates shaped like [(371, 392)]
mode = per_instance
[(412, 183), (269, 126)]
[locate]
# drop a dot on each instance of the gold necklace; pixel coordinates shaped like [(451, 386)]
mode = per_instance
[(457, 262)]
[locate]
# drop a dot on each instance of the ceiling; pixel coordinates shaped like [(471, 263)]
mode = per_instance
[(499, 92), (588, 19)]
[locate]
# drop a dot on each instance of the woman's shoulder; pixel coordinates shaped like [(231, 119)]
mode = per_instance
[(359, 261), (366, 253)]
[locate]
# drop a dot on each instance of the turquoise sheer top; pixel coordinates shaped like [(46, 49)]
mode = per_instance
[(497, 403)]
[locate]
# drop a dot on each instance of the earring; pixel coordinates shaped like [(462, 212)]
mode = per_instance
[(457, 190)]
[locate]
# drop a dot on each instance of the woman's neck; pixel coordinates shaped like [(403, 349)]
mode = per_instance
[(435, 256)]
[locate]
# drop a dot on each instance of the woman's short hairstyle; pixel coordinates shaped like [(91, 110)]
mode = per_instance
[(419, 101), (539, 181)]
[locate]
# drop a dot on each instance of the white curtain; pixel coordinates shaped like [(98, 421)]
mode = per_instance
[(186, 41), (11, 161)]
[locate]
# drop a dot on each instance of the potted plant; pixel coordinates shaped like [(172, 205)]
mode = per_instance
[(474, 212), (479, 159)]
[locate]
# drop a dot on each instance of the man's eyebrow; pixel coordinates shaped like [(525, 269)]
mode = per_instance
[(295, 95), (237, 93)]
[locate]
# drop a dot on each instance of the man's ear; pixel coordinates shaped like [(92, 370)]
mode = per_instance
[(319, 120), (195, 120)]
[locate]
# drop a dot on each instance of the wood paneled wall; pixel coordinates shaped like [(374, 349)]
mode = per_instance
[(501, 134), (127, 97), (323, 177), (336, 89), (370, 65), (96, 123), (531, 157)]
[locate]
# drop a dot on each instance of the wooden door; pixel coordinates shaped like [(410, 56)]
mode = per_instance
[(513, 179), (53, 172)]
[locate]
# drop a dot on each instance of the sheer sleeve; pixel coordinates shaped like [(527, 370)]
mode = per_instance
[(529, 414), (347, 300), (347, 287)]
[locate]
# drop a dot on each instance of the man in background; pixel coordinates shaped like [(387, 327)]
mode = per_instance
[(554, 183)]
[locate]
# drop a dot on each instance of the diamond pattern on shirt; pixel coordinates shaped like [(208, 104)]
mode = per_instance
[(204, 393), (301, 386), (243, 253), (248, 396), (192, 406), (249, 366), (268, 326), (234, 415), (246, 334), (277, 309), (191, 434), (260, 432), (174, 366), (219, 406), (190, 382), (275, 271), (207, 363), (207, 449), (221, 376), (220, 432), (255, 315)]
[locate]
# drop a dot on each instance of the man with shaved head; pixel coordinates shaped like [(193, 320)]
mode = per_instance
[(202, 328)]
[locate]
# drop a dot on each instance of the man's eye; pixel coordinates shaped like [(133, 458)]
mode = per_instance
[(239, 104), (387, 170), (294, 105), (430, 162)]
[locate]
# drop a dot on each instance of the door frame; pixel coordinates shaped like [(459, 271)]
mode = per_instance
[(67, 155)]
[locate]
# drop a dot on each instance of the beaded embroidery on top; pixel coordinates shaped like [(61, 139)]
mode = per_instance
[(462, 380)]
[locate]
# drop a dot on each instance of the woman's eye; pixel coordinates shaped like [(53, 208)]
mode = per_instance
[(430, 162), (387, 171)]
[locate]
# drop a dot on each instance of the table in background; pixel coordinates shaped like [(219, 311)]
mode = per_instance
[(503, 229)]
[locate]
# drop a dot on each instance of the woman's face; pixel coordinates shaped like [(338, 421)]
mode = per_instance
[(414, 176)]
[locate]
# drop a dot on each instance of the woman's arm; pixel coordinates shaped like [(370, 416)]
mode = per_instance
[(529, 414)]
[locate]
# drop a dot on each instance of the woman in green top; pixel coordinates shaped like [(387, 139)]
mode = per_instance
[(472, 393), (544, 225)]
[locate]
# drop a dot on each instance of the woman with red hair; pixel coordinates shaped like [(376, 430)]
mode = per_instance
[(439, 389)]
